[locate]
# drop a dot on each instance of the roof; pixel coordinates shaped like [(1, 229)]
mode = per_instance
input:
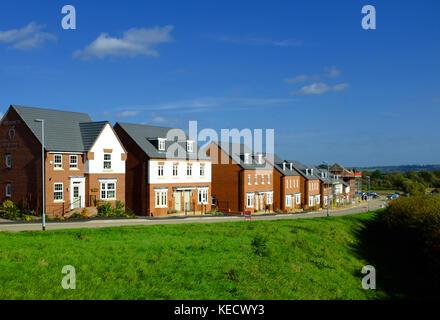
[(304, 171), (145, 135), (237, 152), (64, 131), (278, 164)]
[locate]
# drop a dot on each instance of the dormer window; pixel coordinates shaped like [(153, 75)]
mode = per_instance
[(284, 166), (291, 166), (307, 172), (259, 158), (247, 158), (161, 144), (190, 146)]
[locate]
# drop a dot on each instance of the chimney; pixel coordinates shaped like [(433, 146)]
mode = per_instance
[(311, 172), (284, 166), (291, 167), (246, 158)]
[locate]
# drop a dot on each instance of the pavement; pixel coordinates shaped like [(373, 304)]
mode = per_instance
[(147, 221)]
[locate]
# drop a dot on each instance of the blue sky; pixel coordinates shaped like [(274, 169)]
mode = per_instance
[(331, 90)]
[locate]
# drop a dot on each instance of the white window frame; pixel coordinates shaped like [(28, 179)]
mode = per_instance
[(203, 195), (160, 170), (73, 165), (318, 199), (175, 170), (311, 201), (107, 161), (8, 190), (161, 198), (189, 170), (262, 179), (268, 178), (325, 200), (104, 188), (56, 164), (288, 200), (269, 198), (202, 170), (249, 179), (190, 146), (298, 198), (249, 200), (256, 179), (161, 144), (55, 191), (9, 161)]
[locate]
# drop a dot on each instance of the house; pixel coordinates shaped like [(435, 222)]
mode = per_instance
[(310, 184), (351, 177), (242, 180), (333, 189), (166, 172), (84, 161), (286, 186)]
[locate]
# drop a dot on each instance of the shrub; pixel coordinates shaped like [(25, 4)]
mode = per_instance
[(105, 210), (171, 211), (259, 245), (9, 210), (416, 220), (278, 211), (215, 212)]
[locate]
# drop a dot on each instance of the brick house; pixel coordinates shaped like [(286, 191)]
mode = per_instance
[(166, 172), (310, 184), (351, 177), (333, 188), (241, 179), (84, 160), (286, 186)]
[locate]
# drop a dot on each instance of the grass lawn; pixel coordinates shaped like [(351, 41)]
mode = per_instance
[(317, 258)]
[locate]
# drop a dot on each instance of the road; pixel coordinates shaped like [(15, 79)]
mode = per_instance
[(146, 221)]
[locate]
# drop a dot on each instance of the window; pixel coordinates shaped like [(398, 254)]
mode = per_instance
[(268, 178), (108, 190), (73, 162), (310, 201), (318, 199), (247, 158), (58, 192), (189, 170), (107, 161), (262, 179), (213, 200), (161, 198), (269, 199), (249, 179), (290, 183), (161, 144), (203, 196), (250, 200), (202, 170), (288, 200), (325, 200), (8, 190), (8, 161), (190, 146), (160, 170), (175, 170), (298, 198), (58, 161), (256, 179)]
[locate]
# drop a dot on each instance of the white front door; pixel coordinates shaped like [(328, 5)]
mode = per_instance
[(77, 193)]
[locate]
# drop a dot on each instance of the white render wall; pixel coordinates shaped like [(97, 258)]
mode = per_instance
[(153, 177), (106, 140)]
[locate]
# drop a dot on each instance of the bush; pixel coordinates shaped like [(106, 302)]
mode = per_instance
[(215, 212), (278, 211), (105, 210), (416, 220), (9, 210), (171, 211)]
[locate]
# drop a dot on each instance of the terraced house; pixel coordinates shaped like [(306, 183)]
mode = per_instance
[(84, 160), (166, 172), (287, 188), (310, 185), (242, 180)]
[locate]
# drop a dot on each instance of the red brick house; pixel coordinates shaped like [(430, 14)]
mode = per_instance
[(84, 160), (241, 180), (166, 172), (351, 177), (287, 186), (310, 185)]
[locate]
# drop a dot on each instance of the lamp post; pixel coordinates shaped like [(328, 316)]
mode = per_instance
[(42, 170), (328, 187), (369, 192)]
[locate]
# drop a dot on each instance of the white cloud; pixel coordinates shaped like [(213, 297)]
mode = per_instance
[(123, 114), (319, 88), (301, 78), (332, 72), (132, 43), (260, 41), (27, 37)]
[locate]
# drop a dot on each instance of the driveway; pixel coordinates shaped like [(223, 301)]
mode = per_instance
[(146, 221)]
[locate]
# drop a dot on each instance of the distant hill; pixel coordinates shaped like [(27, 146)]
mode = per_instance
[(402, 168)]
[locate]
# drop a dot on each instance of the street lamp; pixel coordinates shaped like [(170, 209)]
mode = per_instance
[(42, 167), (328, 187), (369, 192)]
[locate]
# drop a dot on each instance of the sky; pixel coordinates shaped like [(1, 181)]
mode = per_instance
[(331, 90)]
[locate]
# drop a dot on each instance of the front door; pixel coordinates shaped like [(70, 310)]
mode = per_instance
[(187, 201), (257, 202), (261, 201), (76, 198), (177, 202)]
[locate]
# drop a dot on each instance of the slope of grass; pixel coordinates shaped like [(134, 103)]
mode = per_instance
[(286, 259)]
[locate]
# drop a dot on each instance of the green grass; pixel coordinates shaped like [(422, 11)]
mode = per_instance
[(317, 258)]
